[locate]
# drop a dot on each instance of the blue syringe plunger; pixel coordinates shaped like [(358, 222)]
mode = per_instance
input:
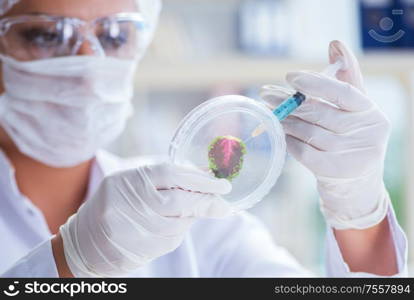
[(292, 103), (300, 98), (283, 111), (289, 105)]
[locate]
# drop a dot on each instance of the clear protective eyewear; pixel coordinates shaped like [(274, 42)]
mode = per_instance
[(34, 37)]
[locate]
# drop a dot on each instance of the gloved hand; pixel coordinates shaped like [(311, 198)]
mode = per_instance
[(341, 136), (138, 215)]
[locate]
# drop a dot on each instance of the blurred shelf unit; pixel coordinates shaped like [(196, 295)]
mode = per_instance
[(250, 71)]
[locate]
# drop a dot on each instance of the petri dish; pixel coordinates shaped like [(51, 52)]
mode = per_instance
[(219, 131)]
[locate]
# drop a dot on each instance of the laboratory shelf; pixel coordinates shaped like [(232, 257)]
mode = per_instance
[(245, 70)]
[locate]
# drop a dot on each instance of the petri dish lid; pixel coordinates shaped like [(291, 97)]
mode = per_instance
[(217, 137)]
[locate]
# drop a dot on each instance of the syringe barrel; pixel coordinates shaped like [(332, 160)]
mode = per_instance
[(288, 106)]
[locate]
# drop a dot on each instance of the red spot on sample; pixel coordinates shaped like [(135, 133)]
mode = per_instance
[(226, 156)]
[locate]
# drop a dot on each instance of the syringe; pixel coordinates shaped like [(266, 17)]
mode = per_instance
[(292, 103)]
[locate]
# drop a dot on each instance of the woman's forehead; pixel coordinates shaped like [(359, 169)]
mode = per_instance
[(82, 9)]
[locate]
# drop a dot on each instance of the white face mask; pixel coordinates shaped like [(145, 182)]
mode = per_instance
[(60, 111)]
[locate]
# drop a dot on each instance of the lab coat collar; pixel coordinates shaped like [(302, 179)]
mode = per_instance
[(103, 164), (7, 175), (11, 197), (106, 163)]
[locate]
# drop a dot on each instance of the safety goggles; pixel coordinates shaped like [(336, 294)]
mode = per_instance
[(33, 37)]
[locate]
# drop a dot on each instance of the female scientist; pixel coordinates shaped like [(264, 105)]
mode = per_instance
[(69, 209)]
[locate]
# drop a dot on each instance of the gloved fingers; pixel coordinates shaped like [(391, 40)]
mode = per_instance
[(314, 135), (167, 227), (351, 72), (305, 153), (339, 121), (320, 163), (322, 113), (194, 180), (166, 176), (128, 230), (183, 204), (325, 140), (334, 164), (142, 214), (274, 95), (150, 246), (342, 94)]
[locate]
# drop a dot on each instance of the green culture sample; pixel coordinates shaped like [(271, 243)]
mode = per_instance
[(226, 156)]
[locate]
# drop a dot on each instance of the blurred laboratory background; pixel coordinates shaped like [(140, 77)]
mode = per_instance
[(207, 48)]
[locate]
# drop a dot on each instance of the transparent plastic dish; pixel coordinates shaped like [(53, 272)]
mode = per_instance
[(217, 137)]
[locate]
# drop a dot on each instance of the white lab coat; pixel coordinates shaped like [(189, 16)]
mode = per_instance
[(238, 246)]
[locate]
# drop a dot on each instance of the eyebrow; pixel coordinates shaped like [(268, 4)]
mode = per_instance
[(35, 13), (32, 14)]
